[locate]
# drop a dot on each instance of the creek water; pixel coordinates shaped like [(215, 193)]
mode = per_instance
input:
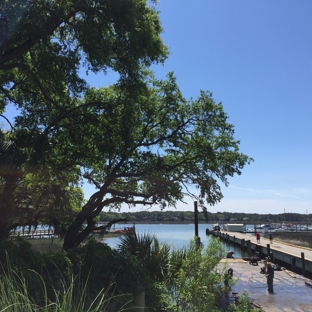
[(177, 235)]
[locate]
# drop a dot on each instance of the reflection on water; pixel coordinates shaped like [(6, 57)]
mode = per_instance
[(177, 235)]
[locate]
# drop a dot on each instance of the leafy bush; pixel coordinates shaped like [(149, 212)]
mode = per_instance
[(108, 278), (96, 266), (198, 275), (104, 265), (243, 305), (176, 274)]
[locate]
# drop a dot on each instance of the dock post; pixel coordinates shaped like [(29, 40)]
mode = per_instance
[(249, 248), (303, 264), (243, 244), (293, 264), (233, 240), (272, 256), (197, 238), (268, 251)]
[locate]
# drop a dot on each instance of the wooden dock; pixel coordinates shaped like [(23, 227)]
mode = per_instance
[(298, 258), (33, 234), (292, 292)]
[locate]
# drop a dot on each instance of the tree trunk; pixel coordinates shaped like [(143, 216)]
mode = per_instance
[(76, 235)]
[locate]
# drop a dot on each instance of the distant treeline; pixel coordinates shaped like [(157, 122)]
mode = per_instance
[(188, 216)]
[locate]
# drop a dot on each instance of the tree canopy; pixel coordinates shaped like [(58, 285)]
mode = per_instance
[(139, 141), (45, 46)]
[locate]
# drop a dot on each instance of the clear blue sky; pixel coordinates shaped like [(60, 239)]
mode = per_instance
[(256, 58)]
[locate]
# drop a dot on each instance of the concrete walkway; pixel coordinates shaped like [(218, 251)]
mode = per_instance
[(276, 245), (291, 293)]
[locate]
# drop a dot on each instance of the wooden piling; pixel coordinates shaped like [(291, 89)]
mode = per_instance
[(303, 264), (293, 264), (243, 244), (249, 248), (271, 256), (197, 238), (268, 250)]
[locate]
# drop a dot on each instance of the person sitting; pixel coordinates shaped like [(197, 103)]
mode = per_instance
[(230, 254)]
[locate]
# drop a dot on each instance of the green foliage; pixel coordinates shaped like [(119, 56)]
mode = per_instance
[(173, 216), (94, 271), (153, 256), (16, 296), (198, 275), (94, 275), (19, 257), (152, 143), (45, 46), (105, 266), (31, 193), (243, 305), (139, 141), (176, 274)]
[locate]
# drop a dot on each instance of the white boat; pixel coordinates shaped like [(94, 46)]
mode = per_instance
[(216, 227), (235, 227), (282, 230), (265, 228)]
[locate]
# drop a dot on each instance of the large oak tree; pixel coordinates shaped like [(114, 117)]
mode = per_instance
[(149, 146), (44, 47), (139, 141)]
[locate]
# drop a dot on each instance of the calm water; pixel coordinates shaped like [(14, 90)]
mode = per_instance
[(178, 235)]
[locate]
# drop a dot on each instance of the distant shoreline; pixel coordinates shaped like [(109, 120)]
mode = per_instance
[(160, 222)]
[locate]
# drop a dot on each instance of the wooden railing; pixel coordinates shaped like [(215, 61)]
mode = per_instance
[(33, 234)]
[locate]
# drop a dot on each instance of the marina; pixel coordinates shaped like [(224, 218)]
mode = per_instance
[(299, 259), (292, 292), (292, 288)]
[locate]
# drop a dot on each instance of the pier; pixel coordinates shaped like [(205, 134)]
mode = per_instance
[(299, 259), (292, 292), (33, 234)]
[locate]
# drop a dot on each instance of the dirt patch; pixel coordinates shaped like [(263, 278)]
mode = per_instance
[(46, 244), (55, 245)]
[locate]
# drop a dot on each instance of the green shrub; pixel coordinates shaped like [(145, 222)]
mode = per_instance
[(243, 305), (104, 265), (97, 268), (198, 274), (15, 297)]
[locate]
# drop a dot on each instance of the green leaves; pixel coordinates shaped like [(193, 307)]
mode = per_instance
[(194, 271), (139, 141), (146, 145)]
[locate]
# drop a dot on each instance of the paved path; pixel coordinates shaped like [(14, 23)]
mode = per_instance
[(290, 293), (276, 245)]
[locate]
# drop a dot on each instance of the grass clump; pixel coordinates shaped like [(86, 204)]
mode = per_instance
[(92, 277), (15, 296)]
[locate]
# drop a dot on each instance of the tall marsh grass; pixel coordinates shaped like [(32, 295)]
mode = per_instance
[(68, 297)]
